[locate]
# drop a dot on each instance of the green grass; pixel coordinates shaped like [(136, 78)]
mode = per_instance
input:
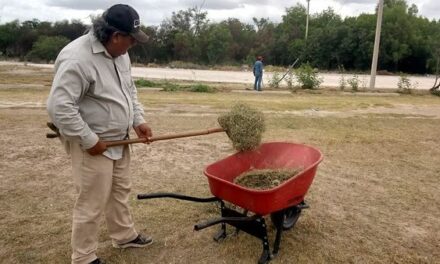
[(285, 102), (145, 83), (168, 86)]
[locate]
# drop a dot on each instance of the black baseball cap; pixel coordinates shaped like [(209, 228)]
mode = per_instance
[(125, 19)]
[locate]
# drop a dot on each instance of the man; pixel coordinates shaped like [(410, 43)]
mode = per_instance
[(93, 99), (258, 73)]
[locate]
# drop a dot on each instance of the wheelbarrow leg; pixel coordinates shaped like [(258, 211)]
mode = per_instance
[(237, 230), (221, 234), (265, 256), (276, 244), (278, 220)]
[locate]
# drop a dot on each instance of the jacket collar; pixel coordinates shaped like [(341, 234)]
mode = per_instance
[(97, 46)]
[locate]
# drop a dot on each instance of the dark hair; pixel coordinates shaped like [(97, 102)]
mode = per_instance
[(102, 30)]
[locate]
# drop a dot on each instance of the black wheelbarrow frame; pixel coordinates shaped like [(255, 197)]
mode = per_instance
[(253, 224)]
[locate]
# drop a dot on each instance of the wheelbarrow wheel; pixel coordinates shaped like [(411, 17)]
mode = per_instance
[(290, 217)]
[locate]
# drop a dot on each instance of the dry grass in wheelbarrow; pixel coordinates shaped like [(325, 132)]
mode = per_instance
[(244, 126), (266, 178)]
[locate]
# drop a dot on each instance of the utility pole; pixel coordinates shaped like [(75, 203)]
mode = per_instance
[(376, 45), (307, 20)]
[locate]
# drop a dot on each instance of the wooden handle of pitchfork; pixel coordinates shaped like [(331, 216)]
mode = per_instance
[(164, 137)]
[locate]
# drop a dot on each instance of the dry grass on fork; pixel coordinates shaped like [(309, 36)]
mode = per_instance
[(244, 126)]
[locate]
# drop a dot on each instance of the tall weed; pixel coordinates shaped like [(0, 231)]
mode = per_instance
[(307, 77)]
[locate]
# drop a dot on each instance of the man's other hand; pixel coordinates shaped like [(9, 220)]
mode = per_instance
[(97, 149), (143, 131)]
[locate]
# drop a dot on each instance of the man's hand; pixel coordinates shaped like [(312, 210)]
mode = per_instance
[(143, 131), (97, 149)]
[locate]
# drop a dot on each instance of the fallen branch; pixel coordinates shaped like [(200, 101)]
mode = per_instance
[(288, 70)]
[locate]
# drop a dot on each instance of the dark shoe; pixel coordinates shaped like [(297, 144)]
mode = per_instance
[(97, 261), (139, 242)]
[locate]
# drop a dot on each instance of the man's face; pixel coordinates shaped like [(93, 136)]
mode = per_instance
[(120, 43)]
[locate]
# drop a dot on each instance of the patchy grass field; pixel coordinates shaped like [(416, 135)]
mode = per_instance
[(375, 198)]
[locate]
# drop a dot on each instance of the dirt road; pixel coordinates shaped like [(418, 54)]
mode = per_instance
[(329, 79)]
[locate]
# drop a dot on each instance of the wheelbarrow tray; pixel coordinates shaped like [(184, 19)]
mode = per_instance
[(272, 155)]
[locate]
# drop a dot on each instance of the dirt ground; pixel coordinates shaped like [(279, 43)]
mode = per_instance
[(375, 197)]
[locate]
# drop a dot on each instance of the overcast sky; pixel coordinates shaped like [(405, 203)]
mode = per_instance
[(153, 12)]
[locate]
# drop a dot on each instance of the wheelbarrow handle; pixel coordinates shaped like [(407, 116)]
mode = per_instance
[(177, 196), (164, 137)]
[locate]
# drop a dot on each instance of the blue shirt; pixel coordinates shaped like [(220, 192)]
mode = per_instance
[(258, 68)]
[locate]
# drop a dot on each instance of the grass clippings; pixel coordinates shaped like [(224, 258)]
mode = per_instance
[(244, 126), (265, 178)]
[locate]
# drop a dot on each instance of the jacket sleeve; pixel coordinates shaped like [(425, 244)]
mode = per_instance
[(69, 86)]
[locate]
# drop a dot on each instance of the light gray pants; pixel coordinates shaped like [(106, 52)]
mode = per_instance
[(103, 186)]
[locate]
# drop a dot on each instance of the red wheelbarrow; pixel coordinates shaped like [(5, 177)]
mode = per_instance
[(284, 202)]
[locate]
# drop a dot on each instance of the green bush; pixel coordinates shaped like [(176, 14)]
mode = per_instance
[(289, 80), (342, 81), (435, 92), (146, 83), (47, 48), (201, 88), (354, 83), (307, 77), (174, 87), (274, 81), (404, 84), (171, 87)]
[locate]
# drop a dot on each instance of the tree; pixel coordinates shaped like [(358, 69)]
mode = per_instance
[(265, 40), (289, 36), (47, 48), (243, 39), (410, 42), (148, 52), (179, 36), (8, 36), (219, 41), (326, 34), (70, 30)]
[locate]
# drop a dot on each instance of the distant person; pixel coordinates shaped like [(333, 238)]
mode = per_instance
[(258, 73), (93, 99)]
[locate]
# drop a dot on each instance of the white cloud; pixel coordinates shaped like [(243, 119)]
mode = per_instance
[(430, 9), (354, 1), (153, 12), (78, 4)]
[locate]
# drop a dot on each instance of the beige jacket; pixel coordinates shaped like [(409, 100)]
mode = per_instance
[(93, 95)]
